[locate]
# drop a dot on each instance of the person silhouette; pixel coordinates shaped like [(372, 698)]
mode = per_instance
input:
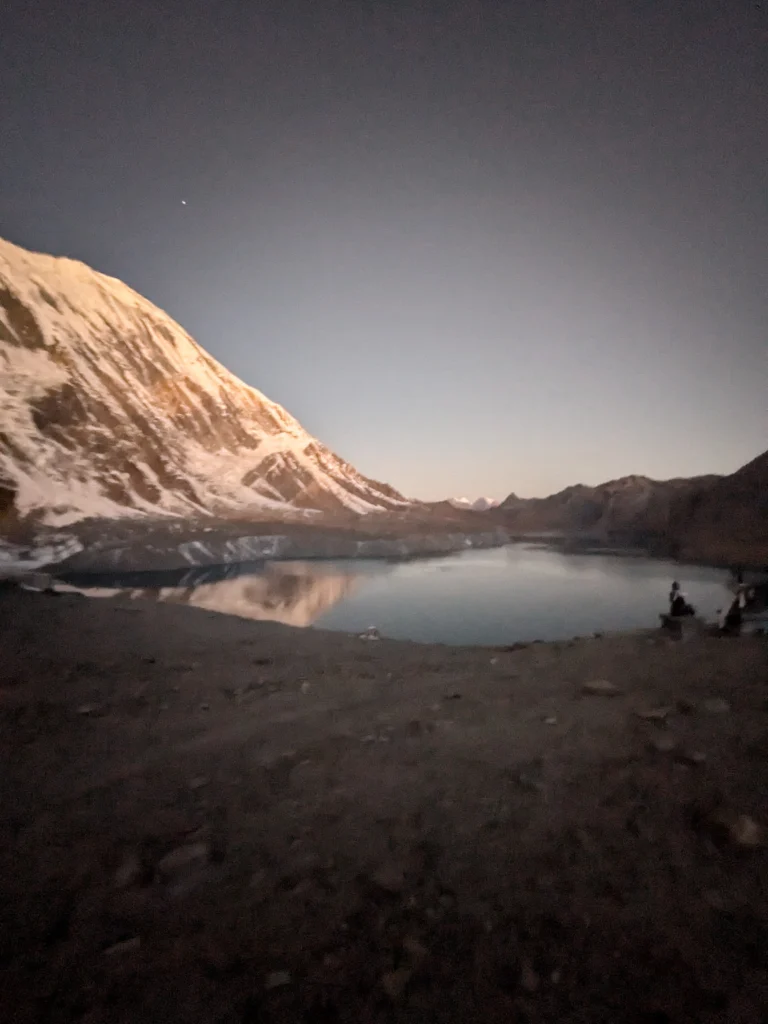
[(677, 602)]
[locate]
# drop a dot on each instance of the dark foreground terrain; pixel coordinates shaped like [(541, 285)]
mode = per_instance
[(206, 819)]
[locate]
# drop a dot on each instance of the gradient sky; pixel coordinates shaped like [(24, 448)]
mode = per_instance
[(474, 247)]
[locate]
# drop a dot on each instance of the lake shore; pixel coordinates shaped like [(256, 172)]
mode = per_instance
[(206, 818)]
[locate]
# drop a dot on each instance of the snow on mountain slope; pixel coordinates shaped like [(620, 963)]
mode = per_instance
[(478, 505), (109, 408)]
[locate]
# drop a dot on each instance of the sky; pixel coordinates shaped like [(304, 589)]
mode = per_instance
[(474, 247)]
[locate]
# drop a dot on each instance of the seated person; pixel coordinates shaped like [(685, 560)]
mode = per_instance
[(732, 623), (678, 604)]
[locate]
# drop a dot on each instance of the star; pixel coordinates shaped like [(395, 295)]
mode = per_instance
[(183, 202)]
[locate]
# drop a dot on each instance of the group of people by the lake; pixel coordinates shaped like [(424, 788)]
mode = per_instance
[(729, 622)]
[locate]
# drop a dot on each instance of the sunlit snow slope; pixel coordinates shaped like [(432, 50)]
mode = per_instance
[(109, 408)]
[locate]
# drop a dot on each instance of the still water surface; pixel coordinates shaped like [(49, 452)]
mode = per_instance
[(499, 596)]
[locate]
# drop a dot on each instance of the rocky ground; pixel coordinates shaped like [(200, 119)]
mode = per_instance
[(209, 819)]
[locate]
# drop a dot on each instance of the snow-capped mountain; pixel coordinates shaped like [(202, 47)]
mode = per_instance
[(109, 408), (478, 505)]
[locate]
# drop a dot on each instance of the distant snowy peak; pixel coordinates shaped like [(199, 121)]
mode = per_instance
[(478, 505), (109, 408)]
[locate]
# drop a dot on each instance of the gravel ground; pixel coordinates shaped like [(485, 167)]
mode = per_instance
[(208, 819)]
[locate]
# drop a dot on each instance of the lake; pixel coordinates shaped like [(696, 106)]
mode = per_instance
[(499, 596)]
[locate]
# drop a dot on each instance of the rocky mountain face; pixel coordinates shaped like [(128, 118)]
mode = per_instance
[(727, 521), (633, 509), (108, 408), (723, 520)]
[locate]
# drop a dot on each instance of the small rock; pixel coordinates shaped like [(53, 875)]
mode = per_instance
[(529, 979), (555, 977), (277, 979), (740, 829), (205, 707), (550, 720), (528, 781), (125, 946), (199, 782), (655, 714), (306, 687), (686, 707), (715, 706), (183, 857), (89, 709), (371, 633), (745, 831), (394, 982), (691, 757), (494, 661), (600, 688), (664, 743)]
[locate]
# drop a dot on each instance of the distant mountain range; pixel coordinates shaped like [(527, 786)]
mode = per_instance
[(630, 505), (109, 408), (713, 518)]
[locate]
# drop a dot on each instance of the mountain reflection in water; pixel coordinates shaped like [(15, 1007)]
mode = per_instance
[(296, 594), (499, 596)]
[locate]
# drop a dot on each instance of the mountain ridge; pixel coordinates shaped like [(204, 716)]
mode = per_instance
[(727, 521), (630, 503), (722, 519), (110, 409)]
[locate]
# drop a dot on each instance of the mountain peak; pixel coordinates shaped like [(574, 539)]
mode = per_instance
[(476, 505), (111, 409)]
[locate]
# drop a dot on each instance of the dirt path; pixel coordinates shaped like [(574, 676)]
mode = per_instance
[(207, 819)]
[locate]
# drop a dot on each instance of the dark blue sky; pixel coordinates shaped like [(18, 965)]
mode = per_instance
[(474, 247)]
